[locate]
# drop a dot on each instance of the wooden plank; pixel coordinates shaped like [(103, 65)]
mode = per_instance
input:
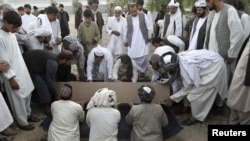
[(126, 91)]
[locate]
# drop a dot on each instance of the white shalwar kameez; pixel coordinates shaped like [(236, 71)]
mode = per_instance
[(26, 20), (54, 27), (65, 124), (235, 37), (116, 45), (5, 115), (106, 65), (139, 49), (19, 99), (194, 35), (203, 75), (56, 31)]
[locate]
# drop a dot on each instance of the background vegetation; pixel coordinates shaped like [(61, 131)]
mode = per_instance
[(186, 5)]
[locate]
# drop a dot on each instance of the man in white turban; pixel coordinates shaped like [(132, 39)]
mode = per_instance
[(101, 117), (38, 38), (174, 21), (114, 29), (198, 33), (99, 64), (203, 76)]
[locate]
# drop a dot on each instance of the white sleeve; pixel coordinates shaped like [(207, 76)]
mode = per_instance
[(236, 33), (90, 63), (109, 63), (149, 26), (155, 75), (150, 20), (125, 30), (245, 20), (108, 26), (4, 58), (116, 69), (135, 71)]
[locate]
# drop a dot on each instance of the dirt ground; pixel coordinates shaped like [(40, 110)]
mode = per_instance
[(196, 132)]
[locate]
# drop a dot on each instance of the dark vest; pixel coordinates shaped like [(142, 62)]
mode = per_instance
[(99, 21), (222, 31), (143, 28), (166, 24), (36, 60), (201, 34)]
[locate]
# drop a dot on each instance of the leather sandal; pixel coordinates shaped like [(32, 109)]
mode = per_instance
[(28, 127), (189, 122), (33, 119)]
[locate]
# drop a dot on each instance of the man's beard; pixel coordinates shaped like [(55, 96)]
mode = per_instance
[(213, 7), (201, 15), (27, 13)]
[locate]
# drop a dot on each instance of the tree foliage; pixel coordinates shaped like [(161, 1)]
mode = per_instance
[(153, 5)]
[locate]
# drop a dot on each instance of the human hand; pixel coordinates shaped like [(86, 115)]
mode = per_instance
[(230, 60), (126, 44), (4, 67), (168, 102), (116, 33), (14, 85)]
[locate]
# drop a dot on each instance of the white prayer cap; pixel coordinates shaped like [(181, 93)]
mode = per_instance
[(173, 3), (175, 40), (42, 31), (99, 53), (200, 3), (118, 8)]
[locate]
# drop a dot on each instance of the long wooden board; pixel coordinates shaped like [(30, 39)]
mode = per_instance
[(126, 91)]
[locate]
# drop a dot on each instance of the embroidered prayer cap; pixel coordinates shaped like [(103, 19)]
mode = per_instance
[(66, 91), (175, 40), (155, 59), (146, 93), (103, 98), (42, 31), (173, 3), (200, 3), (118, 8), (71, 43), (169, 60)]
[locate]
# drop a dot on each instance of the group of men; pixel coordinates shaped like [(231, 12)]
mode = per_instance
[(216, 38), (201, 75)]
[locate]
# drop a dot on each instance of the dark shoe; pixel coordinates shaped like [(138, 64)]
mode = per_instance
[(9, 132), (33, 119), (182, 111), (189, 122), (7, 139), (28, 127)]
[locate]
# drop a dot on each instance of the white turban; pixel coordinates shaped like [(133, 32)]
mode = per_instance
[(42, 31), (99, 53), (200, 3), (173, 3), (102, 98), (118, 8), (175, 40)]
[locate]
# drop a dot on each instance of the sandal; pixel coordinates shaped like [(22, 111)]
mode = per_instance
[(28, 127), (7, 139), (33, 119), (189, 122)]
